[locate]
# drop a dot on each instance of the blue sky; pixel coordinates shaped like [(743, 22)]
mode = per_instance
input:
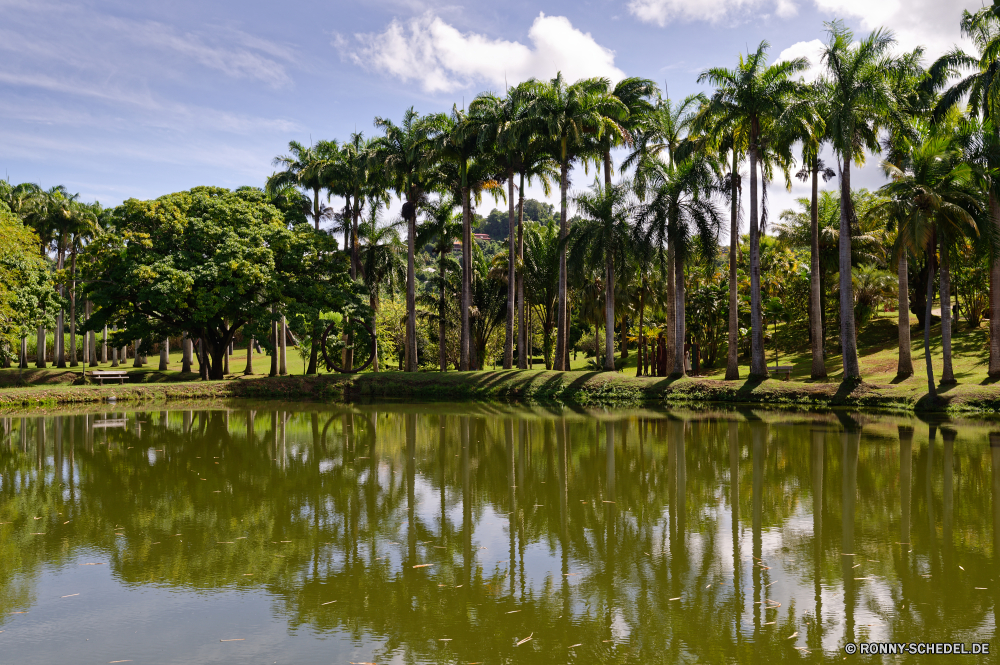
[(124, 99)]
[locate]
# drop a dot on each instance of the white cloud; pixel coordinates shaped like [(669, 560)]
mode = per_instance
[(663, 12), (442, 58), (812, 51), (929, 23)]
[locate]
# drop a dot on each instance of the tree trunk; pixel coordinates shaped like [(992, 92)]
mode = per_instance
[(947, 373), (248, 371), (283, 346), (679, 332), (40, 344), (274, 348), (732, 357), (465, 350), (410, 351), (758, 364), (72, 308), (927, 319), (562, 324), (508, 344), (609, 314), (104, 345), (60, 341), (186, 354), (904, 369), (670, 325), (522, 335), (138, 357), (164, 354), (815, 300), (848, 333), (24, 353), (87, 337), (641, 343), (994, 368), (442, 324), (203, 370), (114, 351)]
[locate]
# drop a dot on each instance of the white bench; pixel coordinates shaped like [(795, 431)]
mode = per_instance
[(109, 375)]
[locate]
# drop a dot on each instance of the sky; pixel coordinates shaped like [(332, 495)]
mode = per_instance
[(118, 100)]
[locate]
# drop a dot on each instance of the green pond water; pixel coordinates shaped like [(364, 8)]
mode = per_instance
[(448, 533)]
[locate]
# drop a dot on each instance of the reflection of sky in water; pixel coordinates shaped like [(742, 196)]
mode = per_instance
[(629, 587)]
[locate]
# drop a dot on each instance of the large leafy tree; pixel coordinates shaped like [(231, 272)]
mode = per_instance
[(759, 98), (26, 290), (572, 117), (862, 101), (207, 263)]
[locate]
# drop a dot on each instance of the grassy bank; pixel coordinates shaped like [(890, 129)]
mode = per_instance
[(975, 392), (587, 388)]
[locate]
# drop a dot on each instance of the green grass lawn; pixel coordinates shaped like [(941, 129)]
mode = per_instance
[(878, 356)]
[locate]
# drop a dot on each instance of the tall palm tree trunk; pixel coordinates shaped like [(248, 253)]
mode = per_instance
[(442, 325), (508, 344), (679, 332), (465, 353), (522, 331), (562, 325), (732, 356), (411, 295), (60, 342), (609, 314), (947, 373), (905, 367), (927, 320), (815, 293), (848, 333), (994, 368), (671, 313), (758, 365), (641, 341)]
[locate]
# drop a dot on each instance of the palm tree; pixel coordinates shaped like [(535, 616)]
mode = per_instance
[(932, 198), (861, 101), (569, 116), (542, 261), (441, 229), (459, 143), (606, 235), (303, 168), (404, 154), (758, 99), (981, 89), (681, 215), (380, 258)]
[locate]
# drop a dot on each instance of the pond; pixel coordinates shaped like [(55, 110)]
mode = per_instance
[(443, 533)]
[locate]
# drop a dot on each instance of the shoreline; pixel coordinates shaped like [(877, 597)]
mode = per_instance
[(528, 386)]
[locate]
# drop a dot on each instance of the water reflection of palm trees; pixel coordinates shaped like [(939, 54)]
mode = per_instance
[(604, 525)]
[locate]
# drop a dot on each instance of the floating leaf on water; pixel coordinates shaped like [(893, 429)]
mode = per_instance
[(769, 623), (70, 595), (423, 565), (513, 611), (573, 646), (961, 568), (328, 602), (677, 598), (235, 639), (524, 640), (795, 634)]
